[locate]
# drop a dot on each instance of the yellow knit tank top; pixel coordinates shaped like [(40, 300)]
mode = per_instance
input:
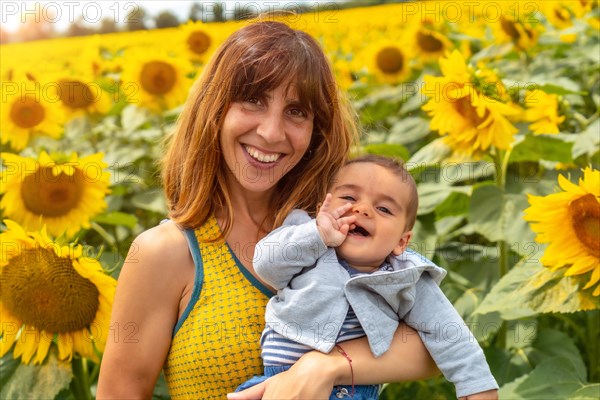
[(216, 342)]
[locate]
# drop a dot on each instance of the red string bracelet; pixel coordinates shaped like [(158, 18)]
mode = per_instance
[(342, 352)]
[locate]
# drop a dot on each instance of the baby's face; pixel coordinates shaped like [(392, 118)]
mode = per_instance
[(379, 199)]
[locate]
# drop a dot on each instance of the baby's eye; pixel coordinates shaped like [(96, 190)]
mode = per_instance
[(385, 210), (348, 198)]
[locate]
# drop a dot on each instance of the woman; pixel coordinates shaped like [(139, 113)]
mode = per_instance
[(262, 132)]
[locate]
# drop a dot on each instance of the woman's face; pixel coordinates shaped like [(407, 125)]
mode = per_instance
[(263, 138)]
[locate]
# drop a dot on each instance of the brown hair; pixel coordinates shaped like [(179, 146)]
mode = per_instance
[(255, 59), (396, 166)]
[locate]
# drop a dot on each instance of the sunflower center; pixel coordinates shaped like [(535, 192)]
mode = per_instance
[(198, 42), (464, 107), (390, 60), (158, 77), (27, 112), (509, 28), (585, 216), (429, 43), (44, 290), (52, 196), (75, 94)]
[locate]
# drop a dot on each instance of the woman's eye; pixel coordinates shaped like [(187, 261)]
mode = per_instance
[(296, 112), (252, 102)]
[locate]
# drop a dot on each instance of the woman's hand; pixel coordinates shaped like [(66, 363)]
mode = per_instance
[(312, 377)]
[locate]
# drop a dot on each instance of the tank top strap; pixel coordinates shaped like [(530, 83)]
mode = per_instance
[(194, 247), (215, 343)]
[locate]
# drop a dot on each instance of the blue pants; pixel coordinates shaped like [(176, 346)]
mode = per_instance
[(361, 392)]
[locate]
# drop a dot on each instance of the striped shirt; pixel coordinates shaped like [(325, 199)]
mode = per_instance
[(278, 349)]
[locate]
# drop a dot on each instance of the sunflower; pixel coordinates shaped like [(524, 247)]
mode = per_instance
[(542, 110), (197, 40), (429, 43), (569, 222), (79, 93), (51, 293), (464, 109), (386, 61), (26, 111), (157, 82), (522, 34), (63, 195), (561, 13)]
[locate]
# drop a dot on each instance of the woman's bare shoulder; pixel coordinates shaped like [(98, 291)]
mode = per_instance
[(161, 252)]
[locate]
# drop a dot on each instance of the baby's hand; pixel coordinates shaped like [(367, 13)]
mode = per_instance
[(332, 226)]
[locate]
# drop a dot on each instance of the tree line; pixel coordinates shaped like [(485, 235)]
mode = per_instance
[(37, 27)]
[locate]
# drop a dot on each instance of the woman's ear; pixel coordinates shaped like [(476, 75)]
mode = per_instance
[(402, 244)]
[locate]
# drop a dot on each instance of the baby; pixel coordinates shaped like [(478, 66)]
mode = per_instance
[(348, 273)]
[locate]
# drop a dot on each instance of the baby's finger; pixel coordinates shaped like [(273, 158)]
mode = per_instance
[(341, 210), (347, 220), (344, 228), (326, 203)]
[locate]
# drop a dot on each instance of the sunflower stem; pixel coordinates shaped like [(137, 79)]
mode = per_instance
[(501, 161), (81, 381), (593, 330)]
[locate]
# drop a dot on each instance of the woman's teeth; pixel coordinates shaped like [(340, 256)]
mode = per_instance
[(262, 157)]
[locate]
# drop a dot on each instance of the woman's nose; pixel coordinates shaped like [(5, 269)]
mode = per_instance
[(271, 128)]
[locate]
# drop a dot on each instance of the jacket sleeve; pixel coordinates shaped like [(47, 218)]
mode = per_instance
[(287, 250), (448, 339)]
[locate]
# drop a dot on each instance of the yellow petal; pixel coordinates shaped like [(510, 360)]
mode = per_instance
[(43, 347)]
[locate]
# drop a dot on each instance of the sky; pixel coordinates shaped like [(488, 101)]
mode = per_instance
[(63, 13)]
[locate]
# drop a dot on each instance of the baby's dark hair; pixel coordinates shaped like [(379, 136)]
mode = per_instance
[(396, 166)]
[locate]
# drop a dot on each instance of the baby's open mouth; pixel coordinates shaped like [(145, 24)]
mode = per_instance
[(359, 230)]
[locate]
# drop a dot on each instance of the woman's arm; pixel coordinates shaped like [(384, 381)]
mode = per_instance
[(144, 313), (315, 374), (406, 360)]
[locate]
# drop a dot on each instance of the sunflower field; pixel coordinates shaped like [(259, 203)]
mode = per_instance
[(494, 106)]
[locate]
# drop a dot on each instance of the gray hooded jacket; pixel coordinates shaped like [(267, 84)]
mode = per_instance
[(314, 292)]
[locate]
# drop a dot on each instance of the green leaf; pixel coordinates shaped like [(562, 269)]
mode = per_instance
[(529, 288), (492, 52), (424, 238), (553, 343), (8, 365), (560, 90), (455, 204), (499, 216), (132, 117), (508, 391), (117, 218), (431, 195), (587, 392), (588, 141), (151, 200), (387, 149), (408, 130), (430, 154), (161, 390), (507, 365), (542, 147), (38, 381), (554, 378)]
